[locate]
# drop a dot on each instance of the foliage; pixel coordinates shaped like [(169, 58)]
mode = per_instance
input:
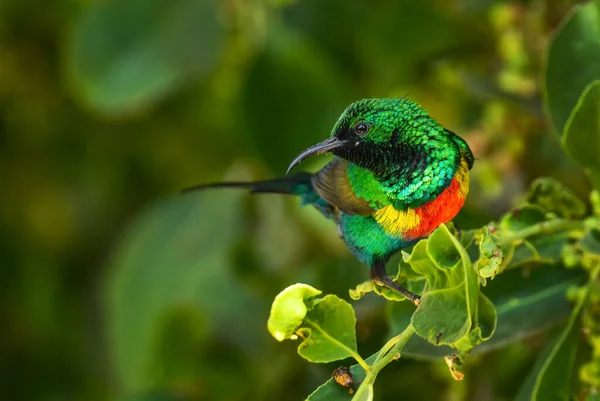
[(110, 107), (454, 310)]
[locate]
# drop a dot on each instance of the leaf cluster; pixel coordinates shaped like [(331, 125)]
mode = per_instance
[(550, 235), (454, 270)]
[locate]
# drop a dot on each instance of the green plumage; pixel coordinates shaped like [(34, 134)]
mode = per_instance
[(407, 155), (395, 171)]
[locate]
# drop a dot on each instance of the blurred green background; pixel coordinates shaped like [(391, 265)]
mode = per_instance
[(116, 287)]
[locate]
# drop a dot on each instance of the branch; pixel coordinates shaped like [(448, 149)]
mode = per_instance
[(389, 352)]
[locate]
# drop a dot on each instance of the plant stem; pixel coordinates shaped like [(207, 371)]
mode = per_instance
[(361, 362), (389, 352), (394, 352), (543, 227), (387, 346)]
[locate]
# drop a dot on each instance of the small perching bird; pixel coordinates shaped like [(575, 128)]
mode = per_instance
[(397, 175)]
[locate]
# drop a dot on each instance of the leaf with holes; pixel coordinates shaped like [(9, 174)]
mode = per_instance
[(326, 325), (452, 311)]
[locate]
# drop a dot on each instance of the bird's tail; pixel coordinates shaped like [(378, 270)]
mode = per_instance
[(296, 184)]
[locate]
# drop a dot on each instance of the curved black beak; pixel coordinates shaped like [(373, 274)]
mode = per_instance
[(320, 148)]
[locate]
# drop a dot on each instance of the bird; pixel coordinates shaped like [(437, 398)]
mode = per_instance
[(397, 174)]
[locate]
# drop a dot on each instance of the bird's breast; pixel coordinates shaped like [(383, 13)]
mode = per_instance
[(421, 221)]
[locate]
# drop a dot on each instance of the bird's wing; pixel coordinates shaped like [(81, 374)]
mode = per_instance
[(332, 184)]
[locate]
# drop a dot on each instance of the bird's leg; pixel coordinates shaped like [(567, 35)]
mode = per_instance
[(458, 231), (379, 276)]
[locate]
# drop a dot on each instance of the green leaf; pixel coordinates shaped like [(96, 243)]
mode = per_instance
[(171, 260), (182, 332), (125, 55), (552, 196), (289, 310), (590, 371), (522, 217), (525, 305), (541, 248), (550, 379), (331, 391), (452, 310), (581, 137), (573, 62), (329, 331), (491, 256), (326, 325), (591, 241), (530, 304)]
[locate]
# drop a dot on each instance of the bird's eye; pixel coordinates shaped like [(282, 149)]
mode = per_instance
[(361, 129)]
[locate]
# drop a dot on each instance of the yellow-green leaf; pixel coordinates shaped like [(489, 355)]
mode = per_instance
[(325, 325), (289, 310)]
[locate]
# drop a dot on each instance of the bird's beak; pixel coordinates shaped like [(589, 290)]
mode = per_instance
[(320, 148)]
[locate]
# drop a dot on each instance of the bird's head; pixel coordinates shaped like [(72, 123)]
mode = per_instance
[(373, 133)]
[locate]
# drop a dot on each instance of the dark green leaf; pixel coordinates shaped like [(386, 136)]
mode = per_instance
[(550, 379), (581, 137), (125, 54), (172, 259), (573, 62), (529, 304), (582, 132)]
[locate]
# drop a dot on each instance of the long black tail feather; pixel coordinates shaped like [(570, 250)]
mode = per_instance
[(293, 184)]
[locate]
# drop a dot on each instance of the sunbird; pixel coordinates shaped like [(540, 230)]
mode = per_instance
[(396, 176)]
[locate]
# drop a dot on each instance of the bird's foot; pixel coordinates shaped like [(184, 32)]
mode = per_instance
[(379, 276), (392, 285)]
